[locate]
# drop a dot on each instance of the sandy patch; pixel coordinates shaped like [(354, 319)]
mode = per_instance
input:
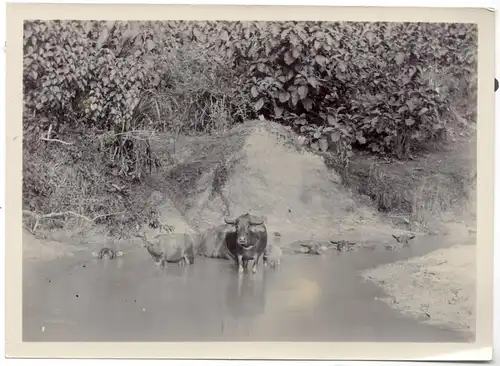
[(438, 288), (36, 249), (49, 245)]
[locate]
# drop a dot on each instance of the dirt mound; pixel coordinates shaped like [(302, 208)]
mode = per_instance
[(259, 167)]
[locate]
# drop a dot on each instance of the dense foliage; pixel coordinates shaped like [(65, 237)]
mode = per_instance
[(380, 87), (372, 84), (365, 83)]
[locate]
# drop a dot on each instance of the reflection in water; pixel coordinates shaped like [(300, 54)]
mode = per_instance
[(245, 295), (310, 298), (304, 293)]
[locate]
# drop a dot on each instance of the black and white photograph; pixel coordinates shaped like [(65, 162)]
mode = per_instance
[(249, 181)]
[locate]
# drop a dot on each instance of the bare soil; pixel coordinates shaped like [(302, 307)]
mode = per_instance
[(439, 288)]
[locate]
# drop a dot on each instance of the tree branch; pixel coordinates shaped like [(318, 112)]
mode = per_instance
[(39, 217), (56, 140)]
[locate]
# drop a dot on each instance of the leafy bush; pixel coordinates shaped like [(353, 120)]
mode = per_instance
[(361, 84), (85, 72), (369, 85), (115, 75)]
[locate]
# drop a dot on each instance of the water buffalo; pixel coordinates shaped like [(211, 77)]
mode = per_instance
[(107, 253), (248, 241), (272, 255), (170, 247), (404, 238), (212, 243)]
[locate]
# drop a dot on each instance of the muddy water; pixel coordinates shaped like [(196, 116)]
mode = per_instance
[(309, 298)]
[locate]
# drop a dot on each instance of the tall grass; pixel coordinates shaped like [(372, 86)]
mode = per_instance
[(197, 94)]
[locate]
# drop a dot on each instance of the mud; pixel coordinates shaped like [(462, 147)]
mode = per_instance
[(445, 281), (307, 298)]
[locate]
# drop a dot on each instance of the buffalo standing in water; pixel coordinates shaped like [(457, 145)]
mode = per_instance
[(248, 241), (170, 248)]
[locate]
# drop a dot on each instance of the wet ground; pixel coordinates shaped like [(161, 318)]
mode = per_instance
[(308, 298)]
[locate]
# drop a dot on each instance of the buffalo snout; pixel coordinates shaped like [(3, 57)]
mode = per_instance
[(242, 240)]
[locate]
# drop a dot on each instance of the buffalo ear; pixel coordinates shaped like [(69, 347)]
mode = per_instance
[(229, 221), (256, 221)]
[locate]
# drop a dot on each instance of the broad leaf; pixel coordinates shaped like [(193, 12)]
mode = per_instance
[(423, 111), (259, 104), (254, 92), (335, 136), (289, 59), (302, 91), (284, 96), (323, 144), (410, 122), (278, 111), (307, 103), (295, 97)]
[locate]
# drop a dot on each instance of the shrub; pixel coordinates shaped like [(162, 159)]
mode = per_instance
[(88, 73), (198, 93), (116, 76), (63, 183), (366, 85), (362, 84)]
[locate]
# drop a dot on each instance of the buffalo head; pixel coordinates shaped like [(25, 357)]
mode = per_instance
[(243, 224)]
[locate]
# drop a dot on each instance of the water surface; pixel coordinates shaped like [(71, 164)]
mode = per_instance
[(308, 298)]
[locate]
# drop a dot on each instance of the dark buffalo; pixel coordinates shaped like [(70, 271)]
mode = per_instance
[(248, 241), (107, 253), (212, 243)]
